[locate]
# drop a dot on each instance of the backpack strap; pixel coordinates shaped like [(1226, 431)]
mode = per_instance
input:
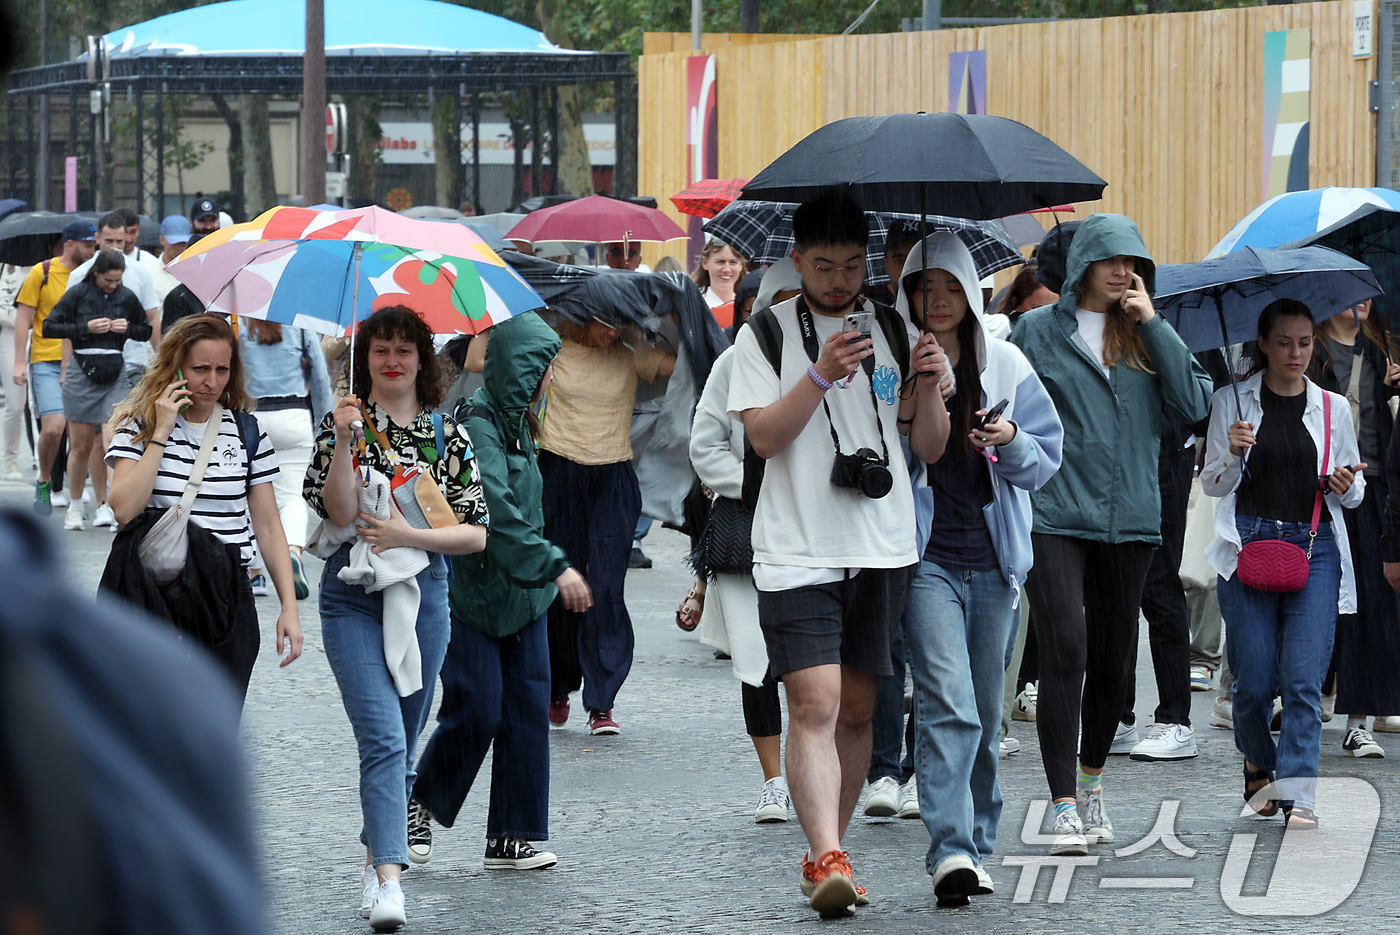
[(438, 435), (468, 411), (45, 281), (892, 324), (248, 428), (770, 341)]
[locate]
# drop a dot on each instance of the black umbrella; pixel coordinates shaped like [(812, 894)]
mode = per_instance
[(1371, 234), (29, 237)]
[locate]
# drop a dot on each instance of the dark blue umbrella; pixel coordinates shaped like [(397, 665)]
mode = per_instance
[(10, 206), (1371, 234), (1238, 285)]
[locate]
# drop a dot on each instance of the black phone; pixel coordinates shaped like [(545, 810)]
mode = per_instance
[(994, 413)]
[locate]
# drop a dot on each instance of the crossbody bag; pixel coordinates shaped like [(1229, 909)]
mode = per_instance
[(416, 494), (166, 547)]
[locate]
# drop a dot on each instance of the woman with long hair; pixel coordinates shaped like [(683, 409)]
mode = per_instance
[(388, 700), (287, 376), (97, 317), (1265, 460), (718, 272), (1112, 366), (158, 431)]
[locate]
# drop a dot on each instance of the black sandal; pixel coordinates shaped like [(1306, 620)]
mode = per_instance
[(1298, 818), (1271, 806)]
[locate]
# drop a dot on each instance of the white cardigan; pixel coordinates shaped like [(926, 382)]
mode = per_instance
[(1222, 473), (716, 440)]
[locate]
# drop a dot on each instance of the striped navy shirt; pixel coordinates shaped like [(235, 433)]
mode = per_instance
[(222, 504)]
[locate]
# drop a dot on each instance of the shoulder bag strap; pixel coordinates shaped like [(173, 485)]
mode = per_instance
[(201, 461), (440, 438), (1326, 462), (380, 438)]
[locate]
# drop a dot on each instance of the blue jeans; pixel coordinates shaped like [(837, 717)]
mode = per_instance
[(888, 725), (1280, 645), (957, 631), (495, 691), (386, 726)]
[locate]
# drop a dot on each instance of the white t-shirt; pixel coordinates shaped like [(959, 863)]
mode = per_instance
[(1091, 325), (137, 278), (222, 504), (802, 519)]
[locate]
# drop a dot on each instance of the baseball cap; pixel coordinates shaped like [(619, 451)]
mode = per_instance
[(175, 229), (903, 229), (79, 230), (204, 207)]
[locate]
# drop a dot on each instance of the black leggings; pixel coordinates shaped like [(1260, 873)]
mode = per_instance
[(763, 715), (1084, 598)]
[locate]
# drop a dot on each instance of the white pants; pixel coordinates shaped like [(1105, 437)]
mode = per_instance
[(289, 431), (12, 424)]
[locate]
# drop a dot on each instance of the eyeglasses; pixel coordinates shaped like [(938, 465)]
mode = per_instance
[(829, 271)]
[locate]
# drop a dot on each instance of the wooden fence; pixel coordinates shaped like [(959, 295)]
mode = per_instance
[(1167, 108)]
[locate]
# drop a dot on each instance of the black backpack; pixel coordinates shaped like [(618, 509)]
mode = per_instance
[(770, 340)]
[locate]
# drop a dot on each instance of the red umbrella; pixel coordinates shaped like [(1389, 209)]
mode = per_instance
[(597, 219), (708, 197)]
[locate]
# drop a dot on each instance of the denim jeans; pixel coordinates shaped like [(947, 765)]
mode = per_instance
[(1280, 645), (386, 726), (958, 630), (888, 725), (495, 692)]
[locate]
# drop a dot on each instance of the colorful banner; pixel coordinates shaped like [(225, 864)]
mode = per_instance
[(1287, 97), (967, 82), (702, 143)]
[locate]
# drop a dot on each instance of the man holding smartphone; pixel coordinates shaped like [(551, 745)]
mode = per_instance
[(833, 529)]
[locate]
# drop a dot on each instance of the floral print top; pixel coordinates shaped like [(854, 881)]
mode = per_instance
[(455, 470)]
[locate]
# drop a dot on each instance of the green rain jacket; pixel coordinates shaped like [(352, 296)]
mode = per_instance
[(501, 590), (1106, 490)]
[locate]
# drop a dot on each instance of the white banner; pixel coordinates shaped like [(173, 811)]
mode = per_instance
[(412, 143)]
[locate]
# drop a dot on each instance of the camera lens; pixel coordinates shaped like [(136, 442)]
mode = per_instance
[(875, 480)]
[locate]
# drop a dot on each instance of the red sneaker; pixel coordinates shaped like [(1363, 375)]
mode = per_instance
[(833, 892), (601, 722), (808, 868), (559, 711)]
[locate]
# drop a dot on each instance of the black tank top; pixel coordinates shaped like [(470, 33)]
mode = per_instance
[(1281, 483)]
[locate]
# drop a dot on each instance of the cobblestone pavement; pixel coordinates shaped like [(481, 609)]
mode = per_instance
[(654, 828)]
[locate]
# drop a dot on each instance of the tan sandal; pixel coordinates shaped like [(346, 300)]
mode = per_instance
[(688, 614)]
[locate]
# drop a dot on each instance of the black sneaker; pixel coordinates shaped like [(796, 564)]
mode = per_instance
[(516, 854), (638, 559), (420, 832)]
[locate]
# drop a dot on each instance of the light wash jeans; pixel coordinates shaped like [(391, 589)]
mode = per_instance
[(386, 726), (958, 631), (1280, 645)]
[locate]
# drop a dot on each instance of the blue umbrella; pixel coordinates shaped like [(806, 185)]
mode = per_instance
[(10, 206), (1239, 285), (1292, 215)]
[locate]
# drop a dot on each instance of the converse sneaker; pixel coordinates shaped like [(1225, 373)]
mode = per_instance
[(954, 880), (1010, 746), (516, 854), (1125, 738), (104, 517), (420, 832), (1222, 714), (601, 723), (1023, 708), (1069, 835), (1200, 678), (909, 799), (74, 518), (369, 888), (1359, 743), (1097, 828), (1166, 742), (387, 914), (1386, 725), (883, 800), (773, 803)]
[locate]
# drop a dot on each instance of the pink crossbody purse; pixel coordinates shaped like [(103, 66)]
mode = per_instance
[(1275, 565)]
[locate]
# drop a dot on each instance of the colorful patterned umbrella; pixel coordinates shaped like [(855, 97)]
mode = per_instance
[(327, 270), (708, 197)]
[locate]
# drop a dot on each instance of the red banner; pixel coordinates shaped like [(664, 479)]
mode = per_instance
[(702, 146)]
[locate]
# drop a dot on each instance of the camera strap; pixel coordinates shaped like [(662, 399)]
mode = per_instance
[(812, 346)]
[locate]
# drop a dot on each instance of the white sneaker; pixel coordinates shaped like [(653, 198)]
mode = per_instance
[(1010, 746), (1329, 708), (12, 471), (1069, 835), (1386, 725), (1222, 714), (1125, 738), (773, 803), (883, 800), (1097, 827), (1276, 720), (387, 914), (1023, 708), (909, 799), (954, 880), (1166, 742), (104, 517), (1359, 743), (57, 499), (369, 888), (1200, 678), (74, 518), (984, 882)]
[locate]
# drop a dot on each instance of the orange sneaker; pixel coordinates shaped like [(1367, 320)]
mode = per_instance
[(808, 868), (833, 891)]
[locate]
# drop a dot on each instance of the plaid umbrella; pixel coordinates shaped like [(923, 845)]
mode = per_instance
[(762, 232), (708, 197)]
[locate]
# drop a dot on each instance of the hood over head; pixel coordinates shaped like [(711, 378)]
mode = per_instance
[(1050, 256), (946, 251), (518, 353), (1102, 236), (748, 288), (780, 277)]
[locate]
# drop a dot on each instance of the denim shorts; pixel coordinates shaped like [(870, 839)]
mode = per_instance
[(848, 622), (48, 392)]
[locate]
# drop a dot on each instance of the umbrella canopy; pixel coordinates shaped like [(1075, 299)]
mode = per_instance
[(10, 206), (708, 197), (27, 238), (597, 219), (431, 212), (1295, 215), (762, 232), (962, 165), (1370, 234), (327, 270)]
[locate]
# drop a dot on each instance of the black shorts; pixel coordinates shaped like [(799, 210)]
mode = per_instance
[(848, 622)]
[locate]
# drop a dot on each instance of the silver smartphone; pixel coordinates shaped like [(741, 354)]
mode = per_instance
[(864, 322)]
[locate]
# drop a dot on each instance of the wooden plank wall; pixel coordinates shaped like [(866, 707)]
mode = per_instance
[(1167, 108)]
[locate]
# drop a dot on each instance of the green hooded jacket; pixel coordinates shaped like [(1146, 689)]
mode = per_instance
[(1106, 490), (501, 590)]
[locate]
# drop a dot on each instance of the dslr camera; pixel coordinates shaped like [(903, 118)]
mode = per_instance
[(864, 471)]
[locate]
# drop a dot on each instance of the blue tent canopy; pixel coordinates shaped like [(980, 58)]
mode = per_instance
[(353, 27)]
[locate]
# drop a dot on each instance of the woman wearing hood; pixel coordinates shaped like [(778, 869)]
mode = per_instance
[(960, 625), (495, 678), (1112, 367)]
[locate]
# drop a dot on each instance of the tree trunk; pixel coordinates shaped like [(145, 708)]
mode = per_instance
[(235, 155), (447, 150), (365, 134), (574, 171), (259, 182)]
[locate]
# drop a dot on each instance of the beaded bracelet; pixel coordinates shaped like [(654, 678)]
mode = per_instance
[(817, 378)]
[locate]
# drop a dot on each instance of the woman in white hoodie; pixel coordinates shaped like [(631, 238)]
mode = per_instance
[(960, 625)]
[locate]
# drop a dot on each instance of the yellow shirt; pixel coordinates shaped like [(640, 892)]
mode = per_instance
[(43, 300), (588, 409)]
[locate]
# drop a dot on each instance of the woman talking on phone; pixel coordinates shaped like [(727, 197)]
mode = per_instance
[(1284, 463), (1111, 365)]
